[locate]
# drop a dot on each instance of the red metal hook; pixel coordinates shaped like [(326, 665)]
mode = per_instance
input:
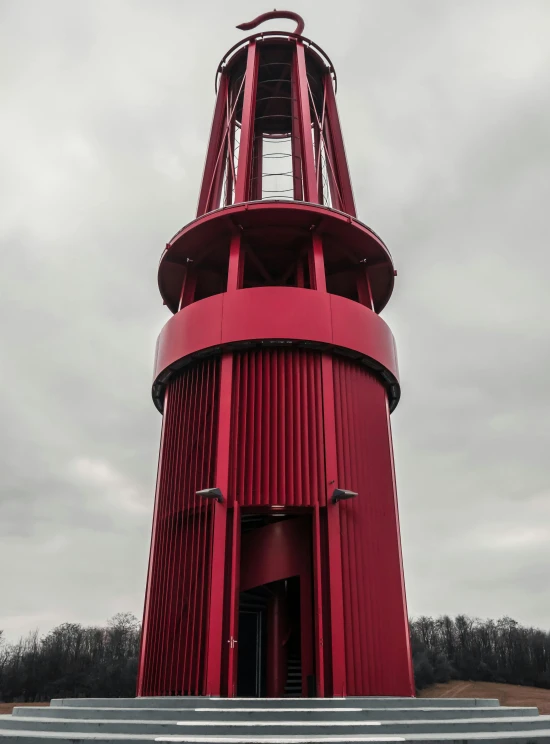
[(275, 14)]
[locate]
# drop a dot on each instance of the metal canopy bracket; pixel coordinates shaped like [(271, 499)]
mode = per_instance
[(340, 494)]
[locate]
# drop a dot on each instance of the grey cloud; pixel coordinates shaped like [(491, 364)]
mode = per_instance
[(106, 111)]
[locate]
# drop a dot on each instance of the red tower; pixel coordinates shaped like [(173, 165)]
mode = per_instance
[(275, 563)]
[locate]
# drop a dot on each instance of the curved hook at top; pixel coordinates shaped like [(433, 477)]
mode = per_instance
[(275, 14)]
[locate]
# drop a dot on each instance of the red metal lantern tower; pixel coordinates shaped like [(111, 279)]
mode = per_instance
[(275, 563)]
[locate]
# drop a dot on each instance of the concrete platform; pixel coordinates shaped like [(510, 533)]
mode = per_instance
[(269, 721)]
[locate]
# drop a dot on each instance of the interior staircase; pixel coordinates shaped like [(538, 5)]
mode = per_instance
[(274, 721), (293, 685)]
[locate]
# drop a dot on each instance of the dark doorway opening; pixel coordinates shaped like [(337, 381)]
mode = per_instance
[(270, 640), (252, 647), (274, 649)]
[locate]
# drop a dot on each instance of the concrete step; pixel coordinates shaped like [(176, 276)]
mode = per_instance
[(514, 737), (205, 712), (280, 728), (270, 721), (217, 702)]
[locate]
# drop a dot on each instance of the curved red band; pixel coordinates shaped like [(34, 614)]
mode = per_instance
[(284, 314)]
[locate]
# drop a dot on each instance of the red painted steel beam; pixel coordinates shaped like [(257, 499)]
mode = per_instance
[(304, 118), (214, 161), (242, 186), (338, 152)]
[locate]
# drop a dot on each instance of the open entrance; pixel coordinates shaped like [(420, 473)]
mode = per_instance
[(252, 646), (274, 649), (269, 644)]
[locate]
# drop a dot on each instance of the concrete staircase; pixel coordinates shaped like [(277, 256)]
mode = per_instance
[(274, 721)]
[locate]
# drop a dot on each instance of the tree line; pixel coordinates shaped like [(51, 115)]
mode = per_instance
[(72, 661), (479, 650), (78, 661)]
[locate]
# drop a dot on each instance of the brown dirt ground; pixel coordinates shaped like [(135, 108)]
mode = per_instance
[(7, 707), (506, 694)]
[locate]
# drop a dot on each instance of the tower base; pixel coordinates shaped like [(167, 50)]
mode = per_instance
[(277, 721)]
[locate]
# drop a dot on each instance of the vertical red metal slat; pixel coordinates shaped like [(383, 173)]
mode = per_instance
[(334, 540), (321, 485), (184, 434), (306, 414), (153, 606), (171, 566), (318, 599), (211, 514), (281, 373), (146, 609), (410, 671), (233, 601), (242, 430), (267, 470), (303, 425), (290, 433), (377, 511), (348, 585), (167, 567), (274, 420), (350, 455), (161, 572), (202, 477), (258, 421), (370, 534), (394, 635), (192, 438), (353, 516), (232, 478), (209, 543), (382, 669), (205, 476), (251, 425), (200, 535), (177, 510), (384, 663), (215, 602), (365, 507), (312, 458), (197, 527)]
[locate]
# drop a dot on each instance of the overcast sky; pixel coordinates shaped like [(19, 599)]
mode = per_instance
[(105, 111)]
